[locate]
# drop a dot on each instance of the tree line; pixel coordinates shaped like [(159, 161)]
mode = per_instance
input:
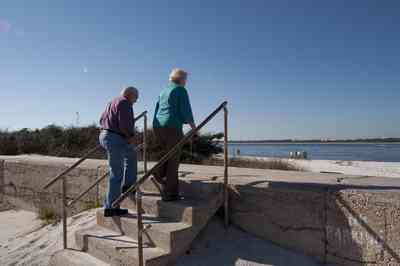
[(60, 141)]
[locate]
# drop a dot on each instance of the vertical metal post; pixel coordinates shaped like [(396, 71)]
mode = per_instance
[(226, 162), (64, 211), (1, 176), (97, 187), (145, 143), (191, 150), (2, 180), (140, 225)]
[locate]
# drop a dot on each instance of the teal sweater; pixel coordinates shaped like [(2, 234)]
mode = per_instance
[(173, 108)]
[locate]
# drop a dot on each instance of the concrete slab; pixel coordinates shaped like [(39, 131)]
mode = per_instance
[(117, 249), (70, 257), (217, 246), (160, 232)]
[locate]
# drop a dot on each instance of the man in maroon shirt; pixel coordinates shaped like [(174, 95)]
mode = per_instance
[(117, 138)]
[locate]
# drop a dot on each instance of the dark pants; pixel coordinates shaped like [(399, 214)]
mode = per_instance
[(167, 174)]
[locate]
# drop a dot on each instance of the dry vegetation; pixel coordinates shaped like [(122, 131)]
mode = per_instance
[(74, 141), (276, 164), (48, 216)]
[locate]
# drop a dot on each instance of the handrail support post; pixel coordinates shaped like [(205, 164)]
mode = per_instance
[(226, 163), (64, 211), (145, 143), (140, 225)]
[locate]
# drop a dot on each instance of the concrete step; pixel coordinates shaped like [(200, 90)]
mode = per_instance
[(190, 187), (117, 249), (189, 210), (70, 257), (160, 232)]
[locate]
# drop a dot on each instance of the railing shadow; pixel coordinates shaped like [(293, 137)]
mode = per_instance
[(370, 231), (291, 206)]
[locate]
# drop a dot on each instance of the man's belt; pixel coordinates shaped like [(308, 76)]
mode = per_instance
[(115, 132)]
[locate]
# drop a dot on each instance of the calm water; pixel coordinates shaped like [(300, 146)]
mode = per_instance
[(351, 152)]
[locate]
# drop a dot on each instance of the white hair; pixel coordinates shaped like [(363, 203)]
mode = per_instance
[(177, 74), (129, 90)]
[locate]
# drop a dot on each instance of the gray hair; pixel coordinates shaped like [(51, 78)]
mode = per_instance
[(177, 74), (129, 90)]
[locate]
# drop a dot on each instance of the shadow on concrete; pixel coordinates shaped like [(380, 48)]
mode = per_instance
[(217, 246), (372, 232), (114, 239), (310, 218)]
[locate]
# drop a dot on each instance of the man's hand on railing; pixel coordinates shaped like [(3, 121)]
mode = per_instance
[(196, 136), (132, 140), (193, 126)]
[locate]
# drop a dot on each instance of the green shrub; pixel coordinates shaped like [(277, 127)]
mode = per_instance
[(88, 205), (275, 164), (8, 144), (48, 215), (54, 140)]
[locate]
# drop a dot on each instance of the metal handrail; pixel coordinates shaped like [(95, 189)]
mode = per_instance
[(81, 160), (65, 205), (95, 183), (170, 153), (175, 149)]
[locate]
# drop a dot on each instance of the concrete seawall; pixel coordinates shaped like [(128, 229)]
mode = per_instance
[(337, 219), (339, 224), (22, 179)]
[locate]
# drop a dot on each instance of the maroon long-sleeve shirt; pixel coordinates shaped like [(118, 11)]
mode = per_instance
[(118, 117)]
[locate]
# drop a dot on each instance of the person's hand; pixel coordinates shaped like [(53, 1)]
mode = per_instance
[(195, 136), (192, 125), (131, 140)]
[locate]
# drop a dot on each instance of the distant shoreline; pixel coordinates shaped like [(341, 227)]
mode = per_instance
[(311, 142)]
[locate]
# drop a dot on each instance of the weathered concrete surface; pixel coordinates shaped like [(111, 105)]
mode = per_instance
[(22, 179), (217, 246), (340, 220), (344, 220), (363, 226)]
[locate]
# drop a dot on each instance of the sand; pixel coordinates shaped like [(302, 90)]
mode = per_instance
[(361, 168), (24, 241), (364, 168)]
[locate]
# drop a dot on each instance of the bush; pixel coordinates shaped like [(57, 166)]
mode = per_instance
[(48, 216), (8, 144), (275, 164), (75, 141)]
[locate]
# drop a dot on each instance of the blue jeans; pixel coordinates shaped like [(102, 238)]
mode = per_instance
[(122, 161)]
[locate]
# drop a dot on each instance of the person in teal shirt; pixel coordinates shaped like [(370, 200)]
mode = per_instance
[(173, 110), (173, 107)]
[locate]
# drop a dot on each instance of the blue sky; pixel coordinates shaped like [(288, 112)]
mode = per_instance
[(289, 69)]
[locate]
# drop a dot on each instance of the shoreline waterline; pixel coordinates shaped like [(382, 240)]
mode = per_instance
[(356, 168), (379, 152)]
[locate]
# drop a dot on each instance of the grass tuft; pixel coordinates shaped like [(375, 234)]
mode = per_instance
[(275, 164), (48, 216)]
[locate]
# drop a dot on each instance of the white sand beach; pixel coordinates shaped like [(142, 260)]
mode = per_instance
[(363, 168), (24, 241)]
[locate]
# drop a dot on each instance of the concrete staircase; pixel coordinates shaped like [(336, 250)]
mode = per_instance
[(170, 228)]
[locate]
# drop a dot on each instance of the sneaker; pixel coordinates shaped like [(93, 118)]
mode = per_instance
[(110, 212), (120, 212)]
